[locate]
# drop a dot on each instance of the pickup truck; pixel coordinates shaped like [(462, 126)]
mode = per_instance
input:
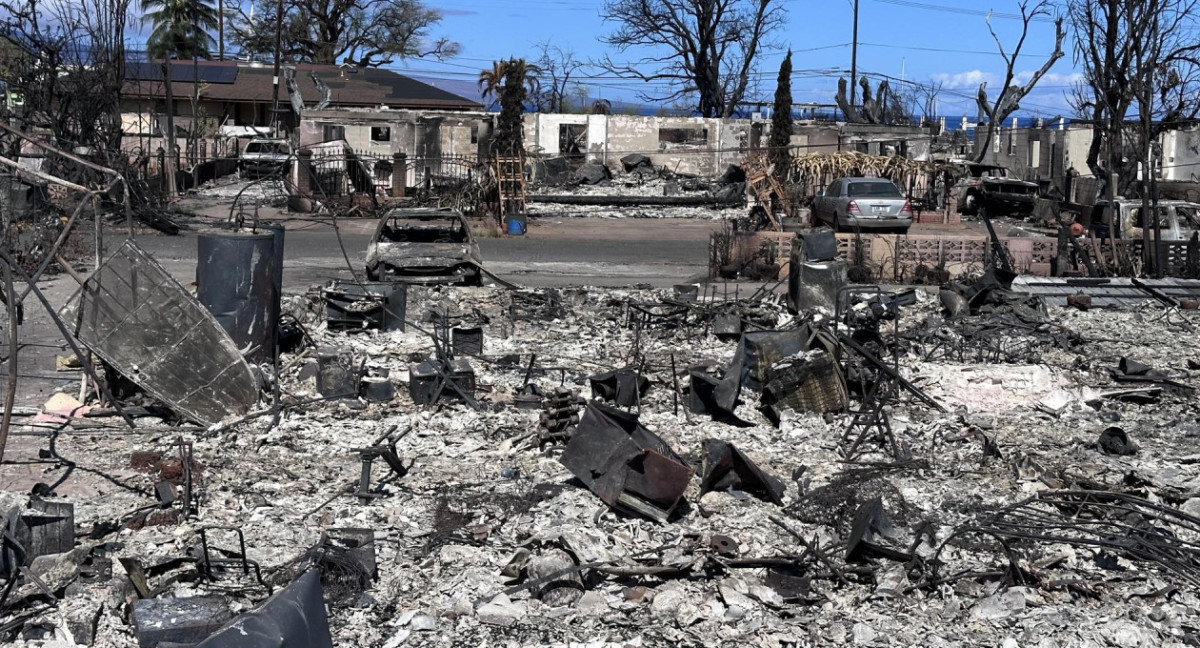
[(987, 190), (874, 204)]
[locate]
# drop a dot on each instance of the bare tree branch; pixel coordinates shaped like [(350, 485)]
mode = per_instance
[(712, 46), (1008, 101)]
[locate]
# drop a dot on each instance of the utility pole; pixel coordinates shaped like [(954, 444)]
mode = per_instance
[(193, 136), (854, 57), (220, 30), (275, 79)]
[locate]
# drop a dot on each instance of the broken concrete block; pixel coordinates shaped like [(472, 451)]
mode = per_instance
[(82, 623), (634, 160), (733, 174), (179, 620), (500, 611), (592, 173)]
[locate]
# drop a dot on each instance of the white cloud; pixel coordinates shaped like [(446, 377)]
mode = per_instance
[(1050, 79), (970, 80), (962, 80)]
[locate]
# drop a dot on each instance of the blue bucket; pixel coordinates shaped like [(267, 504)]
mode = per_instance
[(516, 226)]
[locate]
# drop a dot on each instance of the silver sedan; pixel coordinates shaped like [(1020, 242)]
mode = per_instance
[(851, 204)]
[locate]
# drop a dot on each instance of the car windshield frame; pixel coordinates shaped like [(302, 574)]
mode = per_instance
[(876, 189), (392, 225), (269, 148)]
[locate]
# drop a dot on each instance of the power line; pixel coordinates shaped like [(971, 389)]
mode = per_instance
[(962, 10)]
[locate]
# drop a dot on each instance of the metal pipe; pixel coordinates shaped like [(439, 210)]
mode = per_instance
[(10, 296)]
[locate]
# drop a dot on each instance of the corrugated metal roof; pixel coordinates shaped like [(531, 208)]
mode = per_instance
[(1116, 292)]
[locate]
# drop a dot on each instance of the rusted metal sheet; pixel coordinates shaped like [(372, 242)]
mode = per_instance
[(140, 320), (626, 465)]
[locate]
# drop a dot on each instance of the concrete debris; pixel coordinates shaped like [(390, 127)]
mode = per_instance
[(635, 161), (591, 174), (877, 466)]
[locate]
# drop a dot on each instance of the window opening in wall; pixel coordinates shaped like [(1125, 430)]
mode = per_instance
[(332, 132), (1035, 154), (693, 136), (381, 134), (996, 142), (572, 139), (1012, 142), (474, 133)]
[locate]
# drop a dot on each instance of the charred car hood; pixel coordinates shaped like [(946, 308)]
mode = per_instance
[(422, 255), (1007, 182)]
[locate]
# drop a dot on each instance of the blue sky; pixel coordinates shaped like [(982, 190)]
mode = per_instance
[(918, 40)]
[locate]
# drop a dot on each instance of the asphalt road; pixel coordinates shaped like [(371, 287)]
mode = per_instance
[(614, 252), (575, 251)]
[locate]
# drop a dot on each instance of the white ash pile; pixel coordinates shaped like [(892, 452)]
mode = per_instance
[(751, 476)]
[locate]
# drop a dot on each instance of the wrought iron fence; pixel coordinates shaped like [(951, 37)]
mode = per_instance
[(435, 175), (339, 171)]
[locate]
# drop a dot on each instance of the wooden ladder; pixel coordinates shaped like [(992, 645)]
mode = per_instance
[(762, 184), (510, 180)]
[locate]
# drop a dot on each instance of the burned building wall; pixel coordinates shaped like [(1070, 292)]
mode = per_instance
[(693, 145), (417, 134), (1181, 155), (429, 139)]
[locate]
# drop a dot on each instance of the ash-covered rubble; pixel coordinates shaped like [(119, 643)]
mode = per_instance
[(635, 188), (625, 468)]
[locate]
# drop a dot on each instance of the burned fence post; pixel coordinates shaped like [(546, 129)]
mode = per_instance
[(304, 172), (399, 174)]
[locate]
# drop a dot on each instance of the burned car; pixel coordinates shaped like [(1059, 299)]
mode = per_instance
[(987, 190), (424, 246), (1178, 219)]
